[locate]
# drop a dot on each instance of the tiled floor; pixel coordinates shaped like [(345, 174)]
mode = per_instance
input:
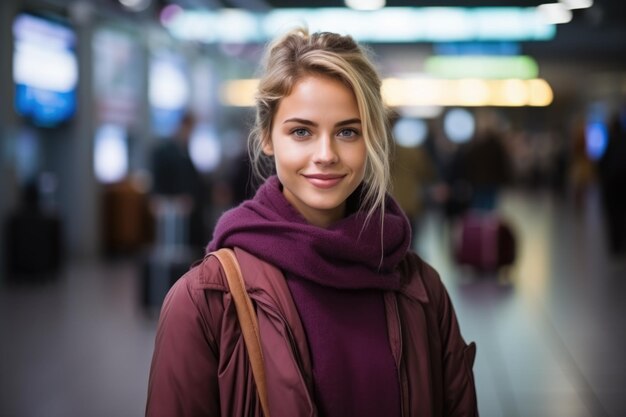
[(551, 340)]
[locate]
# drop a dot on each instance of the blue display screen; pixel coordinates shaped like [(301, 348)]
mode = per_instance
[(44, 107), (45, 70)]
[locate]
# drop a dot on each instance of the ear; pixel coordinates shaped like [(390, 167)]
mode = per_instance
[(268, 148)]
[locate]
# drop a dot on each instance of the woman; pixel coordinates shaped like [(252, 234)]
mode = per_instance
[(352, 323)]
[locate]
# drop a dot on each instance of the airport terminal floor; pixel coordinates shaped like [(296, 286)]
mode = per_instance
[(550, 335)]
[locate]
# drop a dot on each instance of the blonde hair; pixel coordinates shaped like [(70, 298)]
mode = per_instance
[(298, 54)]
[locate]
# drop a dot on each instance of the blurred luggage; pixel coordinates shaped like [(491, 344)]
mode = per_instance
[(126, 218), (484, 241), (171, 256), (160, 270), (33, 245)]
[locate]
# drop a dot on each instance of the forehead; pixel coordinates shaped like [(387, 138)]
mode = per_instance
[(318, 96)]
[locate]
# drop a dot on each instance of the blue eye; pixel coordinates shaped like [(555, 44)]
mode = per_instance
[(300, 132), (348, 133)]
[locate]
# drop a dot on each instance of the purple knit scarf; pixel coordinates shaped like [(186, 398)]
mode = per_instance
[(335, 276), (345, 255)]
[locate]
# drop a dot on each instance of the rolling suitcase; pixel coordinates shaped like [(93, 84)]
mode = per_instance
[(171, 256), (484, 241)]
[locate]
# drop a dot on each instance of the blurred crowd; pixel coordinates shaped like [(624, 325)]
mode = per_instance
[(175, 205)]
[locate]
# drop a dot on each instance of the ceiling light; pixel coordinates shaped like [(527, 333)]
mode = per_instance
[(136, 5), (555, 13), (577, 4), (472, 92), (540, 93), (422, 112), (513, 92), (365, 4), (169, 13), (239, 93), (409, 132), (459, 125)]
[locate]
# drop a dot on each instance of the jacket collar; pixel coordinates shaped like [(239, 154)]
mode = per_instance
[(413, 282)]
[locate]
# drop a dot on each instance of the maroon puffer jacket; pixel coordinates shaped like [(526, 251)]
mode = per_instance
[(200, 365)]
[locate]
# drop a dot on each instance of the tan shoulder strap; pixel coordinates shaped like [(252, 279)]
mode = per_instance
[(247, 320)]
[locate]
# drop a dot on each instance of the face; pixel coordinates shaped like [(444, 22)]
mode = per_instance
[(318, 147)]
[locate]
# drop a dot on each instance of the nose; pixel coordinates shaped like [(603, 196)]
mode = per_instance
[(325, 153)]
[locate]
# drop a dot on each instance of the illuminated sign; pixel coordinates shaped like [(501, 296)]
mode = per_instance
[(468, 92), (473, 66), (414, 92), (390, 24)]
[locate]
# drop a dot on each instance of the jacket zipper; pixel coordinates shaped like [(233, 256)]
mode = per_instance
[(400, 365)]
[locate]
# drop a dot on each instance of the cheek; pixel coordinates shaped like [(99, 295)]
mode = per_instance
[(285, 155)]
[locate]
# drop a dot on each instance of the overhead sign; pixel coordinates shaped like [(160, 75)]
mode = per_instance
[(390, 24)]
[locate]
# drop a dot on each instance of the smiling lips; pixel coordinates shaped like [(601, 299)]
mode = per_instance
[(324, 180)]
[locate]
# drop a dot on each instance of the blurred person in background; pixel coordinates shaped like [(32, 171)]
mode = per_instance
[(612, 178), (242, 183), (177, 184), (582, 171), (486, 165), (451, 190), (352, 323), (412, 173)]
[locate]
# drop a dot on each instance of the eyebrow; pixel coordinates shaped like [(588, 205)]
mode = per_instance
[(312, 123)]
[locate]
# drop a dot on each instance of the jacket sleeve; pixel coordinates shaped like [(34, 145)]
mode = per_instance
[(458, 360), (183, 374)]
